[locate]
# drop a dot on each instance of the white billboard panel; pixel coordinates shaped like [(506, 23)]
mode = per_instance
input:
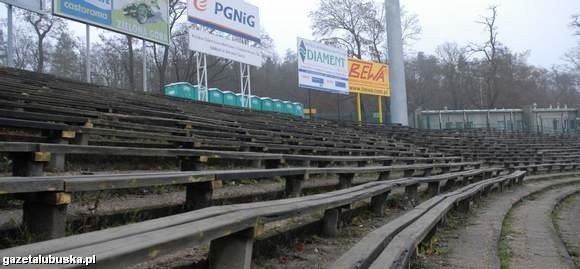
[(321, 67), (234, 17), (32, 5), (218, 46), (146, 19)]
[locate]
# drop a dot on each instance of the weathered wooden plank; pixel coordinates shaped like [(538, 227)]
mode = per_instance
[(137, 180), (13, 185), (14, 147), (36, 124)]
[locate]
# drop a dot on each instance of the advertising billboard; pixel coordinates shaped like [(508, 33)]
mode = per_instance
[(321, 67), (234, 17), (31, 5), (218, 46), (145, 19), (368, 77)]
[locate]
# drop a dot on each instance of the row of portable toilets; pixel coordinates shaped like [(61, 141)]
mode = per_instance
[(188, 91)]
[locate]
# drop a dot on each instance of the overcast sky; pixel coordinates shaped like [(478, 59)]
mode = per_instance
[(540, 26)]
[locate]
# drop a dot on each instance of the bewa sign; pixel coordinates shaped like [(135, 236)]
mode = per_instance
[(230, 16), (321, 67), (368, 77)]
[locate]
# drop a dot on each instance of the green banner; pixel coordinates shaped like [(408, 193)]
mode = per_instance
[(146, 19)]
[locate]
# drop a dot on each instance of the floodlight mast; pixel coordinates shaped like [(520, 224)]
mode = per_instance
[(396, 63)]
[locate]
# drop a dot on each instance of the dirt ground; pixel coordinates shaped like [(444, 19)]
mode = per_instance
[(534, 242), (472, 240), (567, 221), (315, 252)]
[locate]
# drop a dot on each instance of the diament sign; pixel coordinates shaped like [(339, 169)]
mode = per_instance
[(234, 17), (218, 46), (146, 19), (322, 67), (32, 5), (368, 77)]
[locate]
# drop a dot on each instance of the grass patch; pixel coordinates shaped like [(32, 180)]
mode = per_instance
[(432, 247), (505, 254), (19, 236)]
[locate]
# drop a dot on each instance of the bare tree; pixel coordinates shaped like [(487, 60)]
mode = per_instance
[(65, 57), (176, 11), (375, 27), (123, 46), (575, 24), (490, 49), (341, 22), (410, 27), (42, 25), (450, 55), (24, 53)]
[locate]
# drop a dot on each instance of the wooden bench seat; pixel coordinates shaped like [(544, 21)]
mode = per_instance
[(134, 243)]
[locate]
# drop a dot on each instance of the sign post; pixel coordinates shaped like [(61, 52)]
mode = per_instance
[(246, 85), (380, 106), (88, 53), (358, 108), (309, 103), (31, 5), (144, 65), (201, 62), (338, 108), (10, 40)]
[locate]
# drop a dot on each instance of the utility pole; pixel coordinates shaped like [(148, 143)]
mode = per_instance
[(396, 63)]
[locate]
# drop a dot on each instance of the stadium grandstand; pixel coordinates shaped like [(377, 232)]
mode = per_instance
[(146, 181)]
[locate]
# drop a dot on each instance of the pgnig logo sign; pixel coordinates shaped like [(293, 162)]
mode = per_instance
[(200, 5), (231, 16)]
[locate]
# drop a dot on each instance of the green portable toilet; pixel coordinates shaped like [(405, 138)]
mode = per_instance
[(298, 109), (193, 93), (229, 98), (256, 103), (238, 99), (178, 89), (215, 96), (288, 107), (278, 105), (267, 104)]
